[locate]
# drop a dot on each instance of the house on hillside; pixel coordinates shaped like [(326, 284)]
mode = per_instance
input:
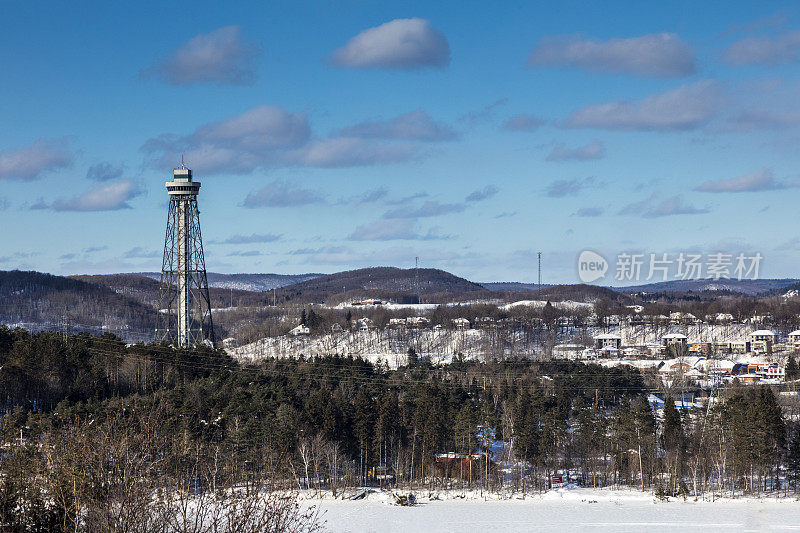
[(794, 340), (568, 351), (363, 324), (608, 340), (720, 318), (762, 340), (417, 322), (302, 329), (461, 323), (674, 339), (700, 348), (768, 370), (679, 317)]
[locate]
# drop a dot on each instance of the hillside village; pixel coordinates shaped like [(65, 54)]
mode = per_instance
[(702, 352)]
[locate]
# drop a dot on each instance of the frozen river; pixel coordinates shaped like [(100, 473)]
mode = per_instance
[(575, 510)]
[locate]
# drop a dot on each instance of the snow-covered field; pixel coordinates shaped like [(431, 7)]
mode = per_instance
[(558, 510)]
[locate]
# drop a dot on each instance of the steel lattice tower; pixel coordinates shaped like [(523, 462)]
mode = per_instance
[(184, 304)]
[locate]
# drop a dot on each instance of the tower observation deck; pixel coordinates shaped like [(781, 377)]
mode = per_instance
[(184, 303)]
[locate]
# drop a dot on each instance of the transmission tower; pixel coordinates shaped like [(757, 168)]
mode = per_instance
[(184, 317)]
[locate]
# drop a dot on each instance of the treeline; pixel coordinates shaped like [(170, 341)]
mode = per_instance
[(198, 423)]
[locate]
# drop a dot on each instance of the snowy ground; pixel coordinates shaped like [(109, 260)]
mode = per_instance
[(560, 510)]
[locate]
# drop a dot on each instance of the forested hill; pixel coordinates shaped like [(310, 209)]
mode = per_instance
[(750, 287), (576, 293), (45, 300), (385, 282), (141, 288)]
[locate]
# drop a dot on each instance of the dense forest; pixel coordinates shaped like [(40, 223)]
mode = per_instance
[(196, 423)]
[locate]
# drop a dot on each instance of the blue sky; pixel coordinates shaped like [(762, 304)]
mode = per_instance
[(338, 135)]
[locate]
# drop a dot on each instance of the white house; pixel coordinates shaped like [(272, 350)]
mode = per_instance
[(417, 321), (794, 340), (363, 324), (461, 323), (608, 341), (678, 317), (302, 329), (397, 322)]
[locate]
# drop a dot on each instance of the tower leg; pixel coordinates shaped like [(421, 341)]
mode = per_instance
[(184, 309)]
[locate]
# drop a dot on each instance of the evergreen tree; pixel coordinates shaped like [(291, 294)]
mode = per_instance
[(792, 369), (793, 459), (673, 440), (313, 320), (303, 317), (412, 357)]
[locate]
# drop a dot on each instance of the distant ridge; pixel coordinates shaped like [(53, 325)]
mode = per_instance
[(750, 287), (247, 282)]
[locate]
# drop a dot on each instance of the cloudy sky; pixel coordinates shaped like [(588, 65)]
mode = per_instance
[(336, 135)]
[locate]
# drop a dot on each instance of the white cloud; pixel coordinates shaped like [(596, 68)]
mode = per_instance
[(30, 162), (103, 172), (416, 125), (685, 108), (252, 238), (482, 194), (656, 207), (265, 137), (562, 188), (281, 194), (765, 51), (484, 114), (137, 252), (398, 44), (761, 180), (594, 150), (220, 57), (523, 122), (431, 208), (658, 55), (763, 119), (350, 151), (589, 212), (393, 229), (264, 127), (110, 197)]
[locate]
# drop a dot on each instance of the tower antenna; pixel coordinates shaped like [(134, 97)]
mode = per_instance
[(539, 254)]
